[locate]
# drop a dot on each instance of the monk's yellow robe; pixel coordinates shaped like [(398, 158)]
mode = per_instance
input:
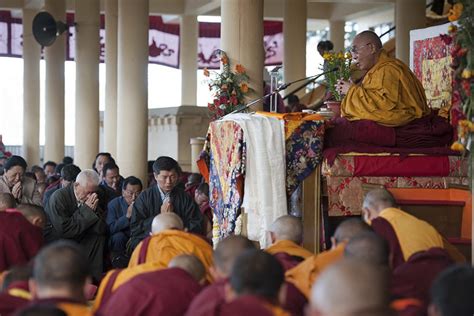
[(290, 248), (390, 94), (163, 247), (405, 234), (159, 251), (305, 274)]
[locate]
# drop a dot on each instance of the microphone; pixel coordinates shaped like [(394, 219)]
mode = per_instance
[(280, 88)]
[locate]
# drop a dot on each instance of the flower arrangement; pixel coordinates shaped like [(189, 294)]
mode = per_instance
[(463, 65), (339, 60), (228, 88)]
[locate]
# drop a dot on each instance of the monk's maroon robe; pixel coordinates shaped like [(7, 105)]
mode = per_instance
[(19, 240), (163, 292)]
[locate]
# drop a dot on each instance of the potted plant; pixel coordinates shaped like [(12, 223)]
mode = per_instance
[(341, 61)]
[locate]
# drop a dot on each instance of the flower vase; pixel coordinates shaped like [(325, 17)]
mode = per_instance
[(334, 107)]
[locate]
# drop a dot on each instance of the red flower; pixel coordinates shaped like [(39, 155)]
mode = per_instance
[(223, 100), (233, 100), (466, 87), (447, 40)]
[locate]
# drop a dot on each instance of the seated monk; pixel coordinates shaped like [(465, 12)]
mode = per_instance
[(404, 233), (452, 292), (254, 287), (21, 234), (7, 201), (162, 292), (60, 275), (351, 287), (286, 234), (155, 253), (305, 274), (14, 293), (411, 281), (389, 94), (224, 256)]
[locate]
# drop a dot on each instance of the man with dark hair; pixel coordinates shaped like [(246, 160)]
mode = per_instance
[(68, 160), (49, 168), (119, 212), (164, 197), (324, 47), (68, 175), (100, 160), (111, 179), (294, 104), (452, 293), (23, 189), (60, 274)]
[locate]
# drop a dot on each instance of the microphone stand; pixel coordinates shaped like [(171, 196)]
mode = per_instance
[(274, 92)]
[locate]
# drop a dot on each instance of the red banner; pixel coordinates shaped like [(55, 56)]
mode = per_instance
[(163, 41)]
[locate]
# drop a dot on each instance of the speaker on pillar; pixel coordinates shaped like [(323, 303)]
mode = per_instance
[(46, 28)]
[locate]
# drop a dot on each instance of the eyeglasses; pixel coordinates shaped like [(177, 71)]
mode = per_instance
[(355, 50)]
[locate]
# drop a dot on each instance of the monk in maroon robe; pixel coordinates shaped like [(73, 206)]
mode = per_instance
[(163, 292), (253, 289), (21, 235)]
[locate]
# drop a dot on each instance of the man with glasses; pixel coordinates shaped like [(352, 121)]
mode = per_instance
[(119, 212), (164, 197), (389, 93)]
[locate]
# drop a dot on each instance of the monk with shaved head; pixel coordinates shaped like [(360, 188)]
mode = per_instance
[(7, 201), (351, 288), (167, 241), (404, 233), (224, 256), (286, 233), (305, 274), (389, 94), (162, 292)]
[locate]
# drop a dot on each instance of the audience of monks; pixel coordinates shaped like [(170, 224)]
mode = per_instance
[(58, 257)]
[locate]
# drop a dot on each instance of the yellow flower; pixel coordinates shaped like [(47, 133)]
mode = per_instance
[(206, 72), (457, 146), (340, 55), (244, 87), (327, 56), (452, 28), (466, 73), (348, 55)]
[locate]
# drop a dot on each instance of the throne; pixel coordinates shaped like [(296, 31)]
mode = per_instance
[(432, 187)]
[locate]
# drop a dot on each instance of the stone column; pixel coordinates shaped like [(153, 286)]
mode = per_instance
[(189, 30), (197, 144), (409, 15), (110, 113), (55, 56), (294, 32), (87, 82), (242, 39), (336, 34), (31, 91), (132, 91)]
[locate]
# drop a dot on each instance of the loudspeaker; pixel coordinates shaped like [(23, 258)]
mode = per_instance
[(46, 28)]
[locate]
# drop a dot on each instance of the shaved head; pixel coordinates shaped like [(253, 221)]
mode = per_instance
[(350, 228), (33, 213), (61, 265), (288, 227), (368, 247), (166, 221), (228, 250), (7, 201), (376, 201), (351, 288), (190, 264), (370, 37)]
